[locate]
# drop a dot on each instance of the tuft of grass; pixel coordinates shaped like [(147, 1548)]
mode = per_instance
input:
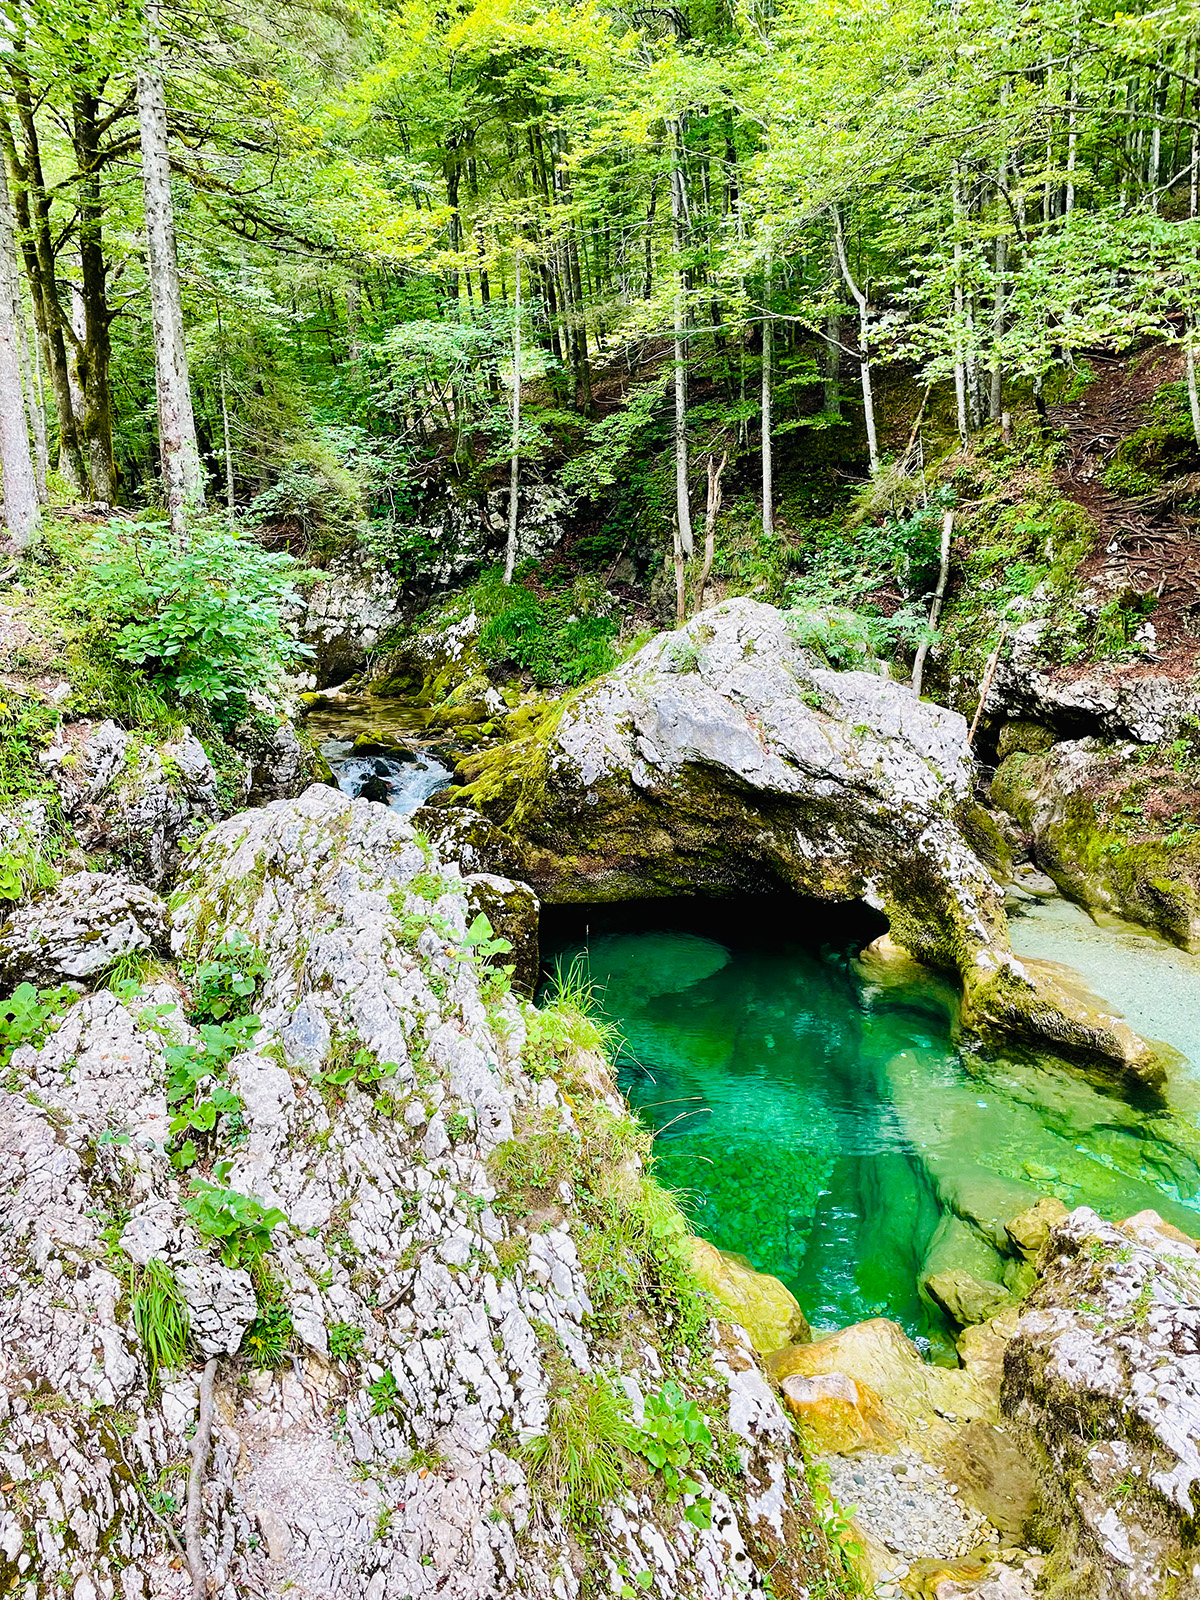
[(268, 1339), (160, 1315), (582, 1459)]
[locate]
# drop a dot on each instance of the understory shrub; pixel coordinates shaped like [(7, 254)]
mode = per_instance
[(203, 616)]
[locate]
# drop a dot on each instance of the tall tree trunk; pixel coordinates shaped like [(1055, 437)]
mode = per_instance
[(21, 510), (768, 350), (95, 344), (32, 205), (183, 477), (514, 459), (960, 357), (32, 380), (864, 338), (683, 510)]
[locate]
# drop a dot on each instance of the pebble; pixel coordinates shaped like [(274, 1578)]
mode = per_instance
[(906, 1505)]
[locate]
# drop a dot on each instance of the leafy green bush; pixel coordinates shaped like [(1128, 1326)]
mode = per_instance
[(29, 1015), (673, 1434), (550, 639), (237, 1224), (205, 617), (225, 985), (269, 1337), (197, 1093), (160, 1315), (345, 1342)]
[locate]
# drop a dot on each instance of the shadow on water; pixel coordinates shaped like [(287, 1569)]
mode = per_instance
[(816, 1115)]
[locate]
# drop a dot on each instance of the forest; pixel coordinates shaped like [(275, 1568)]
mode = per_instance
[(312, 267)]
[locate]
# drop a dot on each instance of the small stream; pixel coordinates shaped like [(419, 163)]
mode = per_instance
[(401, 771)]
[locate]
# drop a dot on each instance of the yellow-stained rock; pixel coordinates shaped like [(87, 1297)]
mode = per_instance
[(840, 1415), (981, 1348), (1030, 1229), (965, 1298), (766, 1308), (880, 1354)]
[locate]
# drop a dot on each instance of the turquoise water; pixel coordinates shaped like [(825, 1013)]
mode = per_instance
[(815, 1113)]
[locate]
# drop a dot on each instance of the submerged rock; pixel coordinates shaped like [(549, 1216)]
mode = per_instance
[(726, 758), (765, 1307), (1101, 1379), (964, 1298), (80, 930)]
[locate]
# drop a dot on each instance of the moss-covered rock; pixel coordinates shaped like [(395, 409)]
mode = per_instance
[(725, 758), (766, 1308), (1114, 826)]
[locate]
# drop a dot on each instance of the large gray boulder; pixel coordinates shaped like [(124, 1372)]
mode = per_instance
[(1102, 1378), (79, 930), (134, 800), (728, 757)]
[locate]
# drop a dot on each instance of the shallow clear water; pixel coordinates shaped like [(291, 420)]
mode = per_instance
[(402, 784), (819, 1119)]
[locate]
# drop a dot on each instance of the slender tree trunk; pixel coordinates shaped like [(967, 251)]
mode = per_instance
[(94, 339), (710, 524), (514, 458), (768, 350), (864, 339), (1193, 394), (833, 357), (183, 477), (31, 378), (1072, 132), (683, 510), (935, 609), (960, 358), (22, 512), (32, 206)]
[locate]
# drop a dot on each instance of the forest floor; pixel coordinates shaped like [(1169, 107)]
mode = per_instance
[(1147, 546)]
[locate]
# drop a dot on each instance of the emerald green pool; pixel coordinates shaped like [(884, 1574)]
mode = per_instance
[(815, 1114)]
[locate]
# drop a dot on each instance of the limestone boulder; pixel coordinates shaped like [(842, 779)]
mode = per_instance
[(765, 1307), (839, 1415), (880, 1354), (965, 1298), (728, 757), (1102, 1384), (79, 930)]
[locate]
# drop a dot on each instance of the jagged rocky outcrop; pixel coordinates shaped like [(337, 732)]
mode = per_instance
[(357, 601), (1120, 701), (135, 800), (727, 757), (437, 1292), (80, 930), (1101, 1379)]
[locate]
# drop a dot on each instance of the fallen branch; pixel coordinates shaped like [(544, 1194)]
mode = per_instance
[(201, 1446), (989, 672)]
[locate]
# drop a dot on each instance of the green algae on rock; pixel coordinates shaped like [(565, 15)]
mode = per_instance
[(1114, 827)]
